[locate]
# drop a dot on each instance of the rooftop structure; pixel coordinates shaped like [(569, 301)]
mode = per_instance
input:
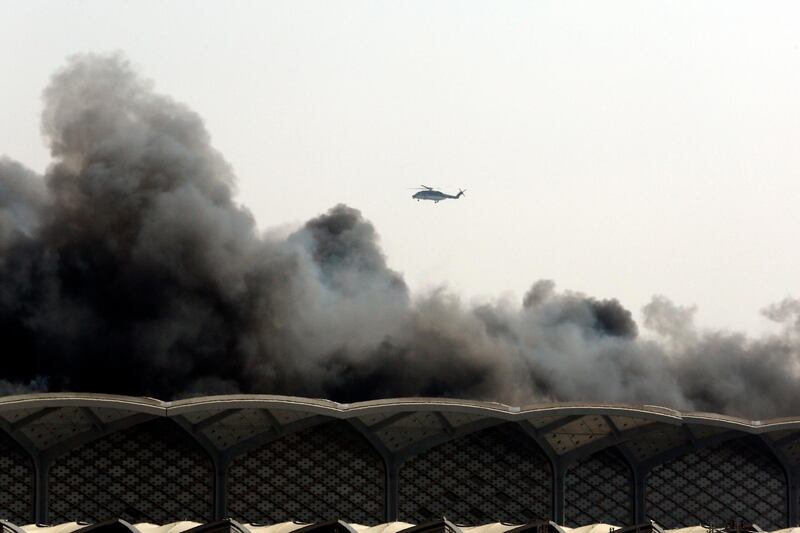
[(270, 460)]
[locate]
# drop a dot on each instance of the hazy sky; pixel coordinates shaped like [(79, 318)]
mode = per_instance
[(622, 149)]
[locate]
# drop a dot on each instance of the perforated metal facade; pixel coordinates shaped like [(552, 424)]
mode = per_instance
[(717, 484), (270, 459), (16, 482), (495, 475), (599, 489), (321, 473), (152, 472)]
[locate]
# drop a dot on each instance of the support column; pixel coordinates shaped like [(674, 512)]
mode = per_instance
[(220, 487), (41, 490), (392, 488), (559, 474), (640, 485), (791, 495)]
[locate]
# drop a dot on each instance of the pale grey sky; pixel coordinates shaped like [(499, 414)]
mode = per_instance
[(620, 148)]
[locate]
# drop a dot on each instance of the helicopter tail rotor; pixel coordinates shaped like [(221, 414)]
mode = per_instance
[(461, 192)]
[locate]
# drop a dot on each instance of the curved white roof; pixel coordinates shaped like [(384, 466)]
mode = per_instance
[(52, 421)]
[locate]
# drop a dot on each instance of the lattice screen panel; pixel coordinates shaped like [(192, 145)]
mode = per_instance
[(16, 483), (322, 473), (736, 480), (598, 489), (152, 472), (495, 475)]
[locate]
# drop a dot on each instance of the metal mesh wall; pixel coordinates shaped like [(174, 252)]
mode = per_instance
[(152, 472), (599, 489), (16, 483), (718, 484), (498, 474), (321, 473)]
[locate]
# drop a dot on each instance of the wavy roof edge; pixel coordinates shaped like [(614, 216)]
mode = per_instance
[(340, 410)]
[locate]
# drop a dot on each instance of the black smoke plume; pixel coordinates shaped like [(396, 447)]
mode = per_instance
[(129, 268)]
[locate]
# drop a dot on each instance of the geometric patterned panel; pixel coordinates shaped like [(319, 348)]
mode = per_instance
[(577, 433), (658, 438), (735, 480), (599, 489), (57, 425), (16, 483), (498, 474), (152, 472), (237, 426), (410, 429), (326, 472)]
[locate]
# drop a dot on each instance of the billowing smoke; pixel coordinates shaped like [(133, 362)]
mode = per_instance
[(129, 268)]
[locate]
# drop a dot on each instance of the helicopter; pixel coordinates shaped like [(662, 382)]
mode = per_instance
[(429, 193)]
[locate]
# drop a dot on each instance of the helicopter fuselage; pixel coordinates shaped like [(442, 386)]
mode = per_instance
[(436, 196)]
